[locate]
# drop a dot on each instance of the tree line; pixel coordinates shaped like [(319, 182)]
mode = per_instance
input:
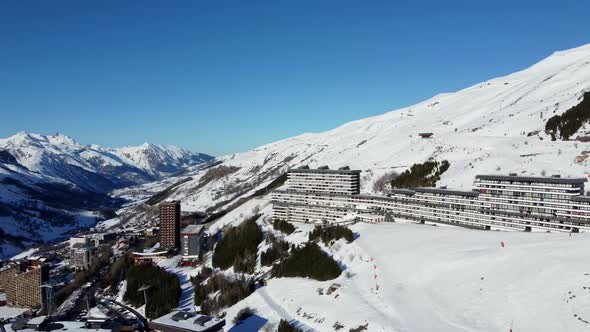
[(568, 123), (329, 233), (231, 291), (421, 175), (163, 293), (239, 247), (309, 261)]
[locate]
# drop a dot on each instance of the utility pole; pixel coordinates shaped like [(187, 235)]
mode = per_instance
[(87, 304), (144, 288)]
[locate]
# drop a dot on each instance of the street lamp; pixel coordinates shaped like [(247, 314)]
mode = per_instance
[(144, 288)]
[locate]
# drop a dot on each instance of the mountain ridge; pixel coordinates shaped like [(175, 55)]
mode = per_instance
[(149, 161)]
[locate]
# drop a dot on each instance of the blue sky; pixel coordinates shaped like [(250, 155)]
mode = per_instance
[(226, 76)]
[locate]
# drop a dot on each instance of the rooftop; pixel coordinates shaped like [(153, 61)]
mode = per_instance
[(325, 171), (446, 191), (168, 203), (546, 179), (186, 321), (403, 191), (59, 326), (581, 198), (190, 229), (37, 320)]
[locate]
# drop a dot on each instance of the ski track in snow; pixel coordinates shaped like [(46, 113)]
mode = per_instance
[(282, 312)]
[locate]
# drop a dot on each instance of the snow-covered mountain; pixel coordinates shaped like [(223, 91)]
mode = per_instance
[(61, 157), (497, 126), (53, 184)]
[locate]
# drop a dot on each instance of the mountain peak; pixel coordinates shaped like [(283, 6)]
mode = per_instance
[(21, 136), (25, 138)]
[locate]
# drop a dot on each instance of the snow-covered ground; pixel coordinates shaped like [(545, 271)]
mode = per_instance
[(244, 211), (442, 279), (10, 312)]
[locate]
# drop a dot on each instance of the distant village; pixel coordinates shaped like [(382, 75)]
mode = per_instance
[(59, 286)]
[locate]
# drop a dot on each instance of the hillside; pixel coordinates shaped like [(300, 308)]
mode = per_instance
[(52, 185), (497, 126)]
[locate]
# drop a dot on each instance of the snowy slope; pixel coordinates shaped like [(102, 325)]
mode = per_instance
[(161, 159), (430, 278), (441, 279), (496, 126)]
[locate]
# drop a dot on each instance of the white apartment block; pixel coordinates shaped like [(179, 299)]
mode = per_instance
[(496, 202), (81, 257), (342, 181)]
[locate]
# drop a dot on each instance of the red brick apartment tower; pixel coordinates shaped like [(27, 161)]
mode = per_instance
[(22, 284), (170, 225)]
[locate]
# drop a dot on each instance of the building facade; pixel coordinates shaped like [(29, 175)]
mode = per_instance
[(342, 181), (191, 241), (81, 256), (496, 202), (170, 225), (22, 284)]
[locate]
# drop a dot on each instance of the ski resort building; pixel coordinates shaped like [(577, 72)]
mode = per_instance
[(496, 202), (191, 239), (170, 225), (342, 181), (22, 281)]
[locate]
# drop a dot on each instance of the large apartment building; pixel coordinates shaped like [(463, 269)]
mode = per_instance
[(341, 181), (541, 202), (170, 225), (497, 201), (22, 283)]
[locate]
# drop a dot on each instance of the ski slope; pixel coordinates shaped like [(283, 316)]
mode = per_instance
[(442, 278)]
